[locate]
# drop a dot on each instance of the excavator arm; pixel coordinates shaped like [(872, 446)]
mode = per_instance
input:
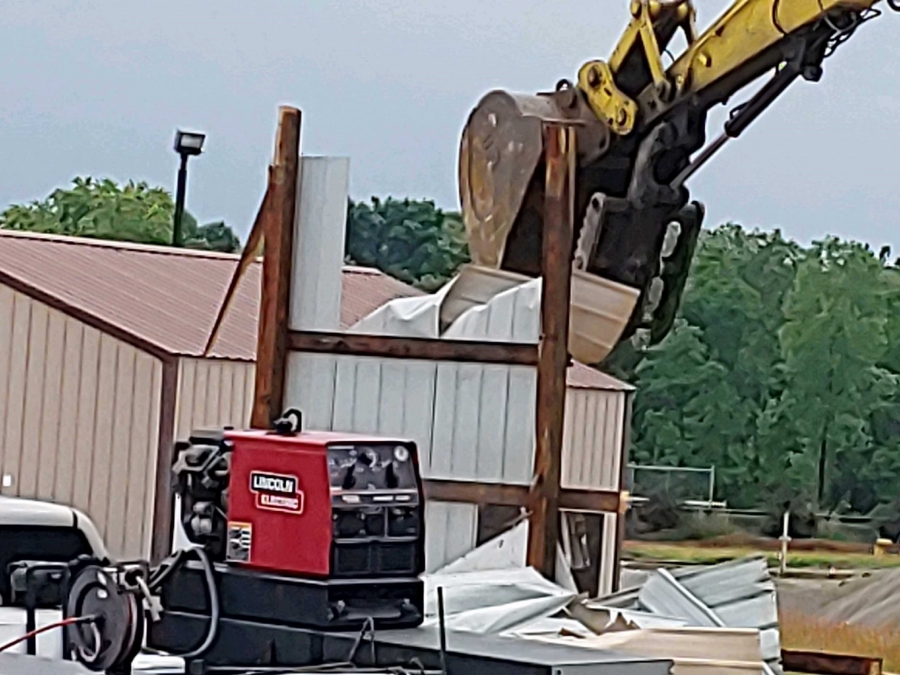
[(641, 134)]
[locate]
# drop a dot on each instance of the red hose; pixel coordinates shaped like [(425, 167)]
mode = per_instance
[(43, 629)]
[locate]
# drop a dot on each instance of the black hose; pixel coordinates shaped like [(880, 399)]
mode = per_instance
[(174, 562), (165, 569)]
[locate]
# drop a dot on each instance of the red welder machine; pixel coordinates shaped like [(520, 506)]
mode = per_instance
[(296, 535), (315, 504), (329, 508), (303, 530)]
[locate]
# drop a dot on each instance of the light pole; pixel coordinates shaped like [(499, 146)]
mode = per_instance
[(187, 144)]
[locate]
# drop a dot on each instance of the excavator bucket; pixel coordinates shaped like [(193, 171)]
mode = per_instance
[(502, 145), (501, 191)]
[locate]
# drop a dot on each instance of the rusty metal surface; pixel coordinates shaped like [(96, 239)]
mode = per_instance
[(501, 149)]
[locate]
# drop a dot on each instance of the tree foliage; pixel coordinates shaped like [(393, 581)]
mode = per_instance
[(782, 372), (103, 209), (413, 241)]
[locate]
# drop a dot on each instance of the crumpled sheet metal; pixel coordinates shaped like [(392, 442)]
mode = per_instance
[(738, 594), (508, 551), (493, 601), (693, 651)]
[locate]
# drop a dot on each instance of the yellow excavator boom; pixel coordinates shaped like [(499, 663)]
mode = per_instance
[(641, 134)]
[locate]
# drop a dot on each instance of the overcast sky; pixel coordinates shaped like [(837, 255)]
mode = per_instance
[(98, 88)]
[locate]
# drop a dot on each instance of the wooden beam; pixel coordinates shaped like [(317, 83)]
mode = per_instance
[(278, 233), (500, 494), (591, 501), (383, 346), (553, 352), (476, 493), (248, 255), (829, 664)]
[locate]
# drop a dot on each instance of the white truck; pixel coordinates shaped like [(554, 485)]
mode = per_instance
[(32, 530)]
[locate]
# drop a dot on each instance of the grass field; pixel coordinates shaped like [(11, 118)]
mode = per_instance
[(690, 552), (799, 631)]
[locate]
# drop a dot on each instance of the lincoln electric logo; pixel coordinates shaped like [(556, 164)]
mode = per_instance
[(276, 492)]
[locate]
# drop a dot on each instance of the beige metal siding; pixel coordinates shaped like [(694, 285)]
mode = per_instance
[(592, 439), (213, 392), (79, 419), (592, 457)]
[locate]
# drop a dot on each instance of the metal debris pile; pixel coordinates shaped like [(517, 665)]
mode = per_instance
[(722, 618)]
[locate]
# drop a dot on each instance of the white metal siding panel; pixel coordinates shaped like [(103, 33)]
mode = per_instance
[(50, 447), (30, 448), (7, 312), (450, 532), (213, 393), (17, 357), (318, 254), (592, 457), (592, 438), (391, 397), (471, 422), (79, 419), (609, 541), (142, 439)]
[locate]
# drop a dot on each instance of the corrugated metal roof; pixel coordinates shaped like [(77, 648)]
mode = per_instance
[(583, 377), (167, 298)]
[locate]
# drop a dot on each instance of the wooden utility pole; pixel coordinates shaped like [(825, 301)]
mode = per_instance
[(553, 351), (278, 235)]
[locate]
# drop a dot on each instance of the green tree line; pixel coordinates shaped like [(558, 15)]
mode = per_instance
[(783, 369), (102, 209), (783, 372)]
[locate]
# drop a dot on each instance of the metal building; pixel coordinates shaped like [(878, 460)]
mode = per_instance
[(101, 369)]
